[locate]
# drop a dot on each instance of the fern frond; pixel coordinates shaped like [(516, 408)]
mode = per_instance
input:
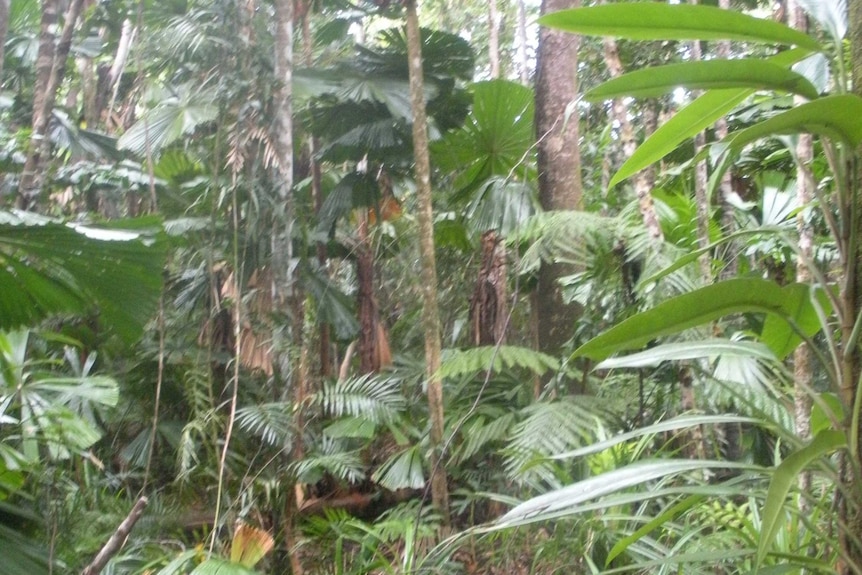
[(377, 398), (269, 421), (330, 458), (480, 432), (550, 428), (495, 358)]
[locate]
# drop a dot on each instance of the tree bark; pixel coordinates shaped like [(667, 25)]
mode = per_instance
[(430, 312), (850, 512), (493, 39), (524, 68), (46, 92), (559, 166), (115, 543), (4, 28), (489, 306), (645, 179)]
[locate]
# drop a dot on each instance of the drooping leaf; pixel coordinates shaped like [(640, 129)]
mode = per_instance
[(690, 350), (688, 310), (780, 335), (703, 112), (833, 117), (654, 21), (50, 268), (784, 477), (566, 501), (705, 75), (681, 422)]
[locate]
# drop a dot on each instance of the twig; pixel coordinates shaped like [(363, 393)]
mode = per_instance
[(115, 543)]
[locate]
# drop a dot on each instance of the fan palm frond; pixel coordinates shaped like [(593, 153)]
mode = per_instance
[(495, 358)]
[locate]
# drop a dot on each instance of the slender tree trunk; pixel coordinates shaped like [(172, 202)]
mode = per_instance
[(44, 64), (559, 164), (802, 365), (850, 512), (4, 28), (726, 186), (524, 65), (430, 312), (283, 217), (118, 66), (494, 39), (645, 179)]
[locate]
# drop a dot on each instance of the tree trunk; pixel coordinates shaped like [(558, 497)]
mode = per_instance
[(559, 166), (645, 179), (850, 510), (802, 367), (524, 71), (489, 306), (282, 247), (43, 104), (493, 39), (4, 28), (430, 312)]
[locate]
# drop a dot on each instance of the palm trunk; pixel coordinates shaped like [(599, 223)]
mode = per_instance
[(43, 101), (430, 312), (489, 306), (559, 164)]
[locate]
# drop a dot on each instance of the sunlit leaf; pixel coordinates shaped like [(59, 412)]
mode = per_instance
[(655, 21), (678, 351), (835, 117), (705, 75)]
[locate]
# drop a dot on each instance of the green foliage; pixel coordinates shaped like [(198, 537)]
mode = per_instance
[(495, 358), (675, 22), (51, 268)]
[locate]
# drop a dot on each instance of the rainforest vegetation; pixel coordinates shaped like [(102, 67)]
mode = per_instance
[(345, 287)]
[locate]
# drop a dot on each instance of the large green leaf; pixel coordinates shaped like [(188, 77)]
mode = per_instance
[(50, 268), (655, 21), (703, 112), (705, 75), (835, 117), (832, 15), (689, 310), (783, 479), (780, 335), (567, 500), (496, 137), (690, 350)]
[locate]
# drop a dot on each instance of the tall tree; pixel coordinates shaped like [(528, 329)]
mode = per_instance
[(4, 27), (425, 217), (50, 70), (559, 164)]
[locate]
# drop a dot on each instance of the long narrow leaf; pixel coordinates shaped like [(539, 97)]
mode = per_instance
[(688, 310), (705, 75), (690, 350), (655, 21), (835, 117), (784, 478), (566, 500)]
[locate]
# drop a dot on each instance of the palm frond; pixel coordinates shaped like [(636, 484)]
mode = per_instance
[(480, 432), (269, 421), (402, 470), (377, 398), (330, 457), (495, 358), (547, 429)]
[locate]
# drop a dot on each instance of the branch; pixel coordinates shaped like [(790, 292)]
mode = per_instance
[(115, 543)]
